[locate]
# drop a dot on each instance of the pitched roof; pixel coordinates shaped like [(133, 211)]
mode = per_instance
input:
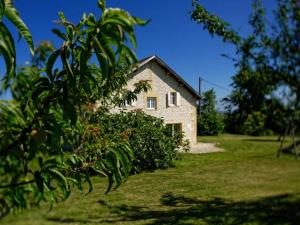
[(171, 72)]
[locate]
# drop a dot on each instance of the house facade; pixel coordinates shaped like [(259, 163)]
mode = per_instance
[(169, 98)]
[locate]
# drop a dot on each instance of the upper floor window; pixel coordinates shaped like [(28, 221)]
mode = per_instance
[(173, 99), (151, 102)]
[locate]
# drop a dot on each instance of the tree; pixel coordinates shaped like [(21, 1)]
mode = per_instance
[(267, 63), (47, 141), (209, 121)]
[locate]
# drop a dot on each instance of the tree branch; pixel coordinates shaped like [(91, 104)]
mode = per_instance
[(17, 184)]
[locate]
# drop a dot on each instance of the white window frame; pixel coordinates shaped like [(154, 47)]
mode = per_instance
[(173, 99), (152, 103)]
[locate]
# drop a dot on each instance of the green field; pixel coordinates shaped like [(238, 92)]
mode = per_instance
[(246, 184)]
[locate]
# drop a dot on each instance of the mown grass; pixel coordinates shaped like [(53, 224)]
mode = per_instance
[(246, 184)]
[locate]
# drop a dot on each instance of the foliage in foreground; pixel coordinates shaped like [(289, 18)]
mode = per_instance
[(266, 87), (153, 145), (245, 184), (47, 143), (209, 121)]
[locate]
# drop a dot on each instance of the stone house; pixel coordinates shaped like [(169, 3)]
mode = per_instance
[(170, 97)]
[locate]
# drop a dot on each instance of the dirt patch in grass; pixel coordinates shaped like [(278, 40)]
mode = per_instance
[(201, 148)]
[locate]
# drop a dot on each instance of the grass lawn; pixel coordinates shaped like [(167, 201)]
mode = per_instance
[(246, 184)]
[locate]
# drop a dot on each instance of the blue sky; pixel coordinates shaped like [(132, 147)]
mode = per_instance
[(171, 34)]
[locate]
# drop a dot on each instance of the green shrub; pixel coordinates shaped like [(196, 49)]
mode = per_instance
[(210, 124), (255, 124), (149, 138), (210, 121)]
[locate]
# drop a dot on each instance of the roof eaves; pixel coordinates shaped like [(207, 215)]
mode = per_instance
[(178, 77), (145, 60), (175, 75)]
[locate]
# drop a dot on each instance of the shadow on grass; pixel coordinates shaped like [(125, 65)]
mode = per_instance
[(178, 209), (283, 209)]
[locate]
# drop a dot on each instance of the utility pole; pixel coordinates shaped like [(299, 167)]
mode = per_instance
[(199, 102)]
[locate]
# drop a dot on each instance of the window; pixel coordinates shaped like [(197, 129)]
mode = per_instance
[(174, 128), (151, 103), (173, 99), (130, 103)]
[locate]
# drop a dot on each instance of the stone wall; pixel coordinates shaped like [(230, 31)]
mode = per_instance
[(161, 83)]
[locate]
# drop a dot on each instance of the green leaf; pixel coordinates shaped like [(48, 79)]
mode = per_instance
[(70, 111), (62, 17), (7, 49), (12, 113), (127, 54), (117, 21), (2, 9), (113, 162), (41, 88), (110, 183), (39, 181), (51, 163), (10, 64), (103, 44), (62, 181), (140, 21), (65, 61), (77, 180), (59, 34), (12, 14), (102, 4), (103, 61), (41, 161), (83, 63), (50, 63), (88, 180)]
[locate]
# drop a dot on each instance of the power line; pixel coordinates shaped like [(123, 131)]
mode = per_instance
[(216, 85), (200, 94)]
